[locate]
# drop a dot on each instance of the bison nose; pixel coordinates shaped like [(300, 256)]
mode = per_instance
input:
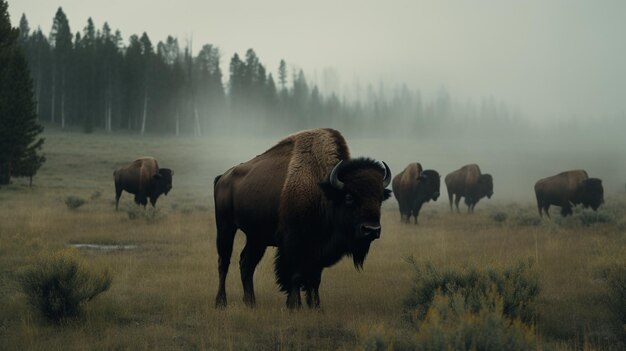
[(371, 231)]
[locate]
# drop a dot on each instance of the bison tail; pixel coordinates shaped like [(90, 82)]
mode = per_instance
[(216, 180)]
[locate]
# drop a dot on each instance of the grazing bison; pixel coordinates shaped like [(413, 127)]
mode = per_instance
[(469, 183), (568, 189), (307, 197), (145, 179), (413, 187)]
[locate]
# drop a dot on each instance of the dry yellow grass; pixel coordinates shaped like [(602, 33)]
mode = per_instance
[(163, 291)]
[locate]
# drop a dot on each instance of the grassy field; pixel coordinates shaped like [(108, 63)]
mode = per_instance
[(163, 290)]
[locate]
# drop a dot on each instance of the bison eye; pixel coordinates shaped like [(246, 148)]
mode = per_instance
[(349, 200)]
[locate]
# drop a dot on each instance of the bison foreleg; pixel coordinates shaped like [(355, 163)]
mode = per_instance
[(416, 210), (294, 301), (313, 290), (566, 211)]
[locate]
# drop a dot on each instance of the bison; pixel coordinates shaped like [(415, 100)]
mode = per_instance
[(145, 179), (470, 183), (568, 189), (413, 187), (307, 197)]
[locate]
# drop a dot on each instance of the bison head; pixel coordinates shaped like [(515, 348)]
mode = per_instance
[(356, 189), (163, 180), (429, 183), (592, 193), (485, 185)]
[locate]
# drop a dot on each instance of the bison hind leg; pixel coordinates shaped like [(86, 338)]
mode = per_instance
[(457, 199), (224, 242), (118, 194), (249, 259)]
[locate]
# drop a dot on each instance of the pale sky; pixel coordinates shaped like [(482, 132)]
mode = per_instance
[(551, 58)]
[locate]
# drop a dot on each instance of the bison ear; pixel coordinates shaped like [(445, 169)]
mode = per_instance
[(331, 192), (386, 194)]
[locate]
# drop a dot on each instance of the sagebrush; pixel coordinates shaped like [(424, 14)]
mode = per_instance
[(452, 323), (74, 202), (58, 285), (517, 286)]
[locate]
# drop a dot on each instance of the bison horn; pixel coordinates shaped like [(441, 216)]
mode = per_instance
[(334, 179), (387, 178)]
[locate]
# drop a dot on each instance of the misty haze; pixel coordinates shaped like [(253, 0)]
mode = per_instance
[(99, 102)]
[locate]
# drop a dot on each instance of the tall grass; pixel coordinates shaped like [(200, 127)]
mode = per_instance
[(163, 291)]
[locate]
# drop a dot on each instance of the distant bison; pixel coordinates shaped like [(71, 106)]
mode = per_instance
[(568, 189), (470, 183), (306, 196), (145, 179), (413, 187)]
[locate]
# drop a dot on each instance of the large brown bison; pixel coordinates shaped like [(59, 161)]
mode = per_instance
[(306, 196), (568, 189), (145, 179), (413, 187), (470, 183)]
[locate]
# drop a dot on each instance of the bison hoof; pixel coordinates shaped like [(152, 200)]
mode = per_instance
[(294, 303), (250, 302), (220, 302)]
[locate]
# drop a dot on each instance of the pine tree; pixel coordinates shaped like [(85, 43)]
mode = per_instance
[(282, 75), (61, 39), (18, 121), (24, 29)]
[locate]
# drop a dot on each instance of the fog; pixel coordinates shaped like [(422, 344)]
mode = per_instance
[(557, 67), (553, 59)]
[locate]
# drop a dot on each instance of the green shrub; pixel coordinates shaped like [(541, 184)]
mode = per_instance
[(499, 216), (527, 219), (74, 202), (589, 217), (134, 212), (59, 285), (517, 286), (615, 277), (452, 324), (95, 195), (376, 339)]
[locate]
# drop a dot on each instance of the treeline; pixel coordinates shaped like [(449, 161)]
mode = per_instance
[(92, 79)]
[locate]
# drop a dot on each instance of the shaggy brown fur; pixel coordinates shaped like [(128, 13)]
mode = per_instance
[(470, 183), (566, 189), (282, 198), (404, 187), (144, 178)]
